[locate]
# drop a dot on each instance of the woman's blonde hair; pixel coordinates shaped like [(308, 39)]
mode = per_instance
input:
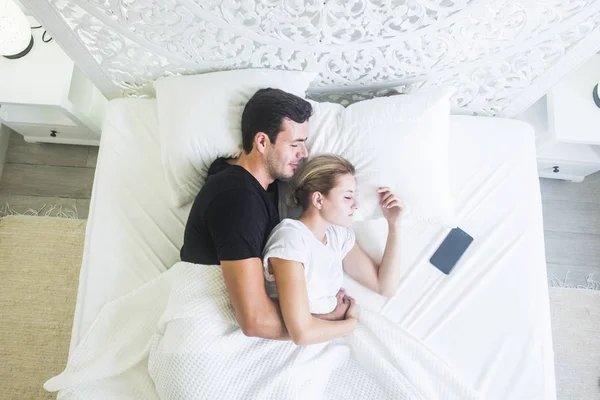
[(319, 174)]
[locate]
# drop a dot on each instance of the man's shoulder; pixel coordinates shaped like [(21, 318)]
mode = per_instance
[(230, 189), (230, 180), (228, 194), (235, 200), (240, 195), (218, 165)]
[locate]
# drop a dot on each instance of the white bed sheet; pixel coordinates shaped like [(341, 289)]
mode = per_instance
[(489, 319)]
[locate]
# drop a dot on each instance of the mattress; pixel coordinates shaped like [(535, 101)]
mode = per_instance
[(489, 319)]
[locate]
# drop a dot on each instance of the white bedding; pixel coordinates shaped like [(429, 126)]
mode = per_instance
[(178, 335), (489, 320)]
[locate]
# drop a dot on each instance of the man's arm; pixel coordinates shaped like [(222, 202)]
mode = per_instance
[(257, 314), (236, 221)]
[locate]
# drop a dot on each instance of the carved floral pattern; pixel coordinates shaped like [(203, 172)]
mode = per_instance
[(490, 50)]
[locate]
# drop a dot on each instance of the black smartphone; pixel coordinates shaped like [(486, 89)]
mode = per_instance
[(451, 250)]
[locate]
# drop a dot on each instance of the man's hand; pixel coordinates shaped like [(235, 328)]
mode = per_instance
[(339, 313)]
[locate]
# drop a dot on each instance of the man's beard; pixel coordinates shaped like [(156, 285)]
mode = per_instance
[(274, 170)]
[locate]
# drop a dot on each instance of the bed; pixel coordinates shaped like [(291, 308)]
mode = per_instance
[(489, 320)]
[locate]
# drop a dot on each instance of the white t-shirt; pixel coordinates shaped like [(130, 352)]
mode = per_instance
[(292, 240)]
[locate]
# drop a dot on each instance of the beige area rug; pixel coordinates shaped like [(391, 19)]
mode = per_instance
[(576, 336), (40, 259)]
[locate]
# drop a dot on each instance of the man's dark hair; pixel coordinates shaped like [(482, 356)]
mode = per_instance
[(265, 112)]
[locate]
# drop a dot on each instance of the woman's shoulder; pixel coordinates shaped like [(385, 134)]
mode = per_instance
[(289, 226), (342, 238), (288, 241), (341, 231), (289, 223)]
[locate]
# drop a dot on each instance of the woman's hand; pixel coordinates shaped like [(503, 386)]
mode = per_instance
[(352, 312), (339, 313), (391, 205)]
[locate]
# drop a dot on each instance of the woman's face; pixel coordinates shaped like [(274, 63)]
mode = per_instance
[(339, 205)]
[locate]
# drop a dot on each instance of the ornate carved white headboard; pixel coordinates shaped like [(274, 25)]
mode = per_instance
[(502, 55)]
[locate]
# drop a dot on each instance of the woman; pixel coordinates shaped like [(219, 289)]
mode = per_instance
[(304, 259)]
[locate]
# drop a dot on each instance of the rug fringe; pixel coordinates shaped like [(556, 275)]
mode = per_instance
[(55, 210), (591, 282)]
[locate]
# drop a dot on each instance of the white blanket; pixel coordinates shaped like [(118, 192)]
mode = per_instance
[(177, 338)]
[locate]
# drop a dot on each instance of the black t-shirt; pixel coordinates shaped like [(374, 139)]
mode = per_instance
[(231, 218)]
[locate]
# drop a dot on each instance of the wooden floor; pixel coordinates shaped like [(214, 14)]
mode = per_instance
[(48, 179), (39, 176), (572, 231)]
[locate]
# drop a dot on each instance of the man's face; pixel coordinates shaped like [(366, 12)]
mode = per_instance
[(288, 151)]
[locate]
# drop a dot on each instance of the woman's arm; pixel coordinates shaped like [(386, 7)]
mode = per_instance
[(340, 310), (383, 278), (303, 327)]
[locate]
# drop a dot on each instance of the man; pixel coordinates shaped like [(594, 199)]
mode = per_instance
[(234, 213)]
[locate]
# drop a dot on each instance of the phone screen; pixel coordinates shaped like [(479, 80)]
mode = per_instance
[(451, 250)]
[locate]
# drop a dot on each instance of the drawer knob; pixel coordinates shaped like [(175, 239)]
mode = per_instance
[(555, 169), (53, 133)]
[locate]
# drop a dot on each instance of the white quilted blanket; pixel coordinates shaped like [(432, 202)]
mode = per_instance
[(177, 338)]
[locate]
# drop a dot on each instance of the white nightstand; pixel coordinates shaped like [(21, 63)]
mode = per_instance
[(567, 125), (46, 98)]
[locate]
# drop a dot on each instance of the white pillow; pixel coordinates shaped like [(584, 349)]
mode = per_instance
[(199, 120), (399, 141)]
